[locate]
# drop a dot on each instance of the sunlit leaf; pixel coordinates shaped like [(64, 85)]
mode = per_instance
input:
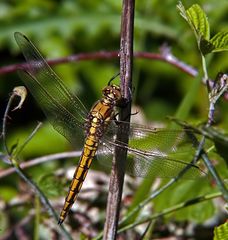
[(199, 22), (198, 212), (197, 19), (221, 232), (220, 42), (182, 192)]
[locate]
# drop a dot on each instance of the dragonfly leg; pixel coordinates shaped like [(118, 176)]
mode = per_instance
[(117, 122), (115, 76)]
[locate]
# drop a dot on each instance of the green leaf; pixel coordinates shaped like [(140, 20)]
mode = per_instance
[(197, 213), (51, 185), (206, 46), (221, 232), (182, 10), (197, 20), (183, 191), (220, 41)]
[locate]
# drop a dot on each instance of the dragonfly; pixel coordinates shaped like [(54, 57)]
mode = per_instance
[(152, 152)]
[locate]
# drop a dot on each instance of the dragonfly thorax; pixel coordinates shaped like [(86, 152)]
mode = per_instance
[(112, 93)]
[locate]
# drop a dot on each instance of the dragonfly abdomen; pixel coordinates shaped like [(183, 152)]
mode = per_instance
[(80, 173)]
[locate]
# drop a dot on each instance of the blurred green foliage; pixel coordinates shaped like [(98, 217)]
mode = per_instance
[(66, 27), (61, 28)]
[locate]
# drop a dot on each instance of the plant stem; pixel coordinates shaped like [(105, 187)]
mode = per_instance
[(172, 209), (40, 160), (5, 117), (42, 197), (213, 95), (37, 218), (118, 164), (106, 55), (23, 175), (20, 149)]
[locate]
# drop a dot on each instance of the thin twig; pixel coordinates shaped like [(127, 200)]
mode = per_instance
[(40, 160), (42, 197), (168, 57), (21, 92), (174, 208), (4, 123), (118, 168), (163, 188), (218, 89), (166, 211), (22, 174), (215, 91), (20, 149)]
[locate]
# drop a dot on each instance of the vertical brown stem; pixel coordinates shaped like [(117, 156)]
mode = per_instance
[(118, 165)]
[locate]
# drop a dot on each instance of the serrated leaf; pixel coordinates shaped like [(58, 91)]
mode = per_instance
[(220, 41), (182, 10), (199, 22), (221, 232)]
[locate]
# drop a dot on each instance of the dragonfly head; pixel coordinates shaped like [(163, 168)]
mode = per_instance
[(112, 92)]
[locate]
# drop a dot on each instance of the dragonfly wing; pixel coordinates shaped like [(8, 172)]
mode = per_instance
[(156, 165), (60, 118), (155, 139), (154, 152), (105, 154), (64, 110)]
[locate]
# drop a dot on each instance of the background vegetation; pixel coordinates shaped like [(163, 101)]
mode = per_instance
[(62, 28)]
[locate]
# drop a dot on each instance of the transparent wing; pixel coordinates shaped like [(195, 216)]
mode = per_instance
[(64, 110), (153, 152)]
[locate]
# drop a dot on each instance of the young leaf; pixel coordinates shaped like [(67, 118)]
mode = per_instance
[(220, 41), (197, 20), (182, 10)]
